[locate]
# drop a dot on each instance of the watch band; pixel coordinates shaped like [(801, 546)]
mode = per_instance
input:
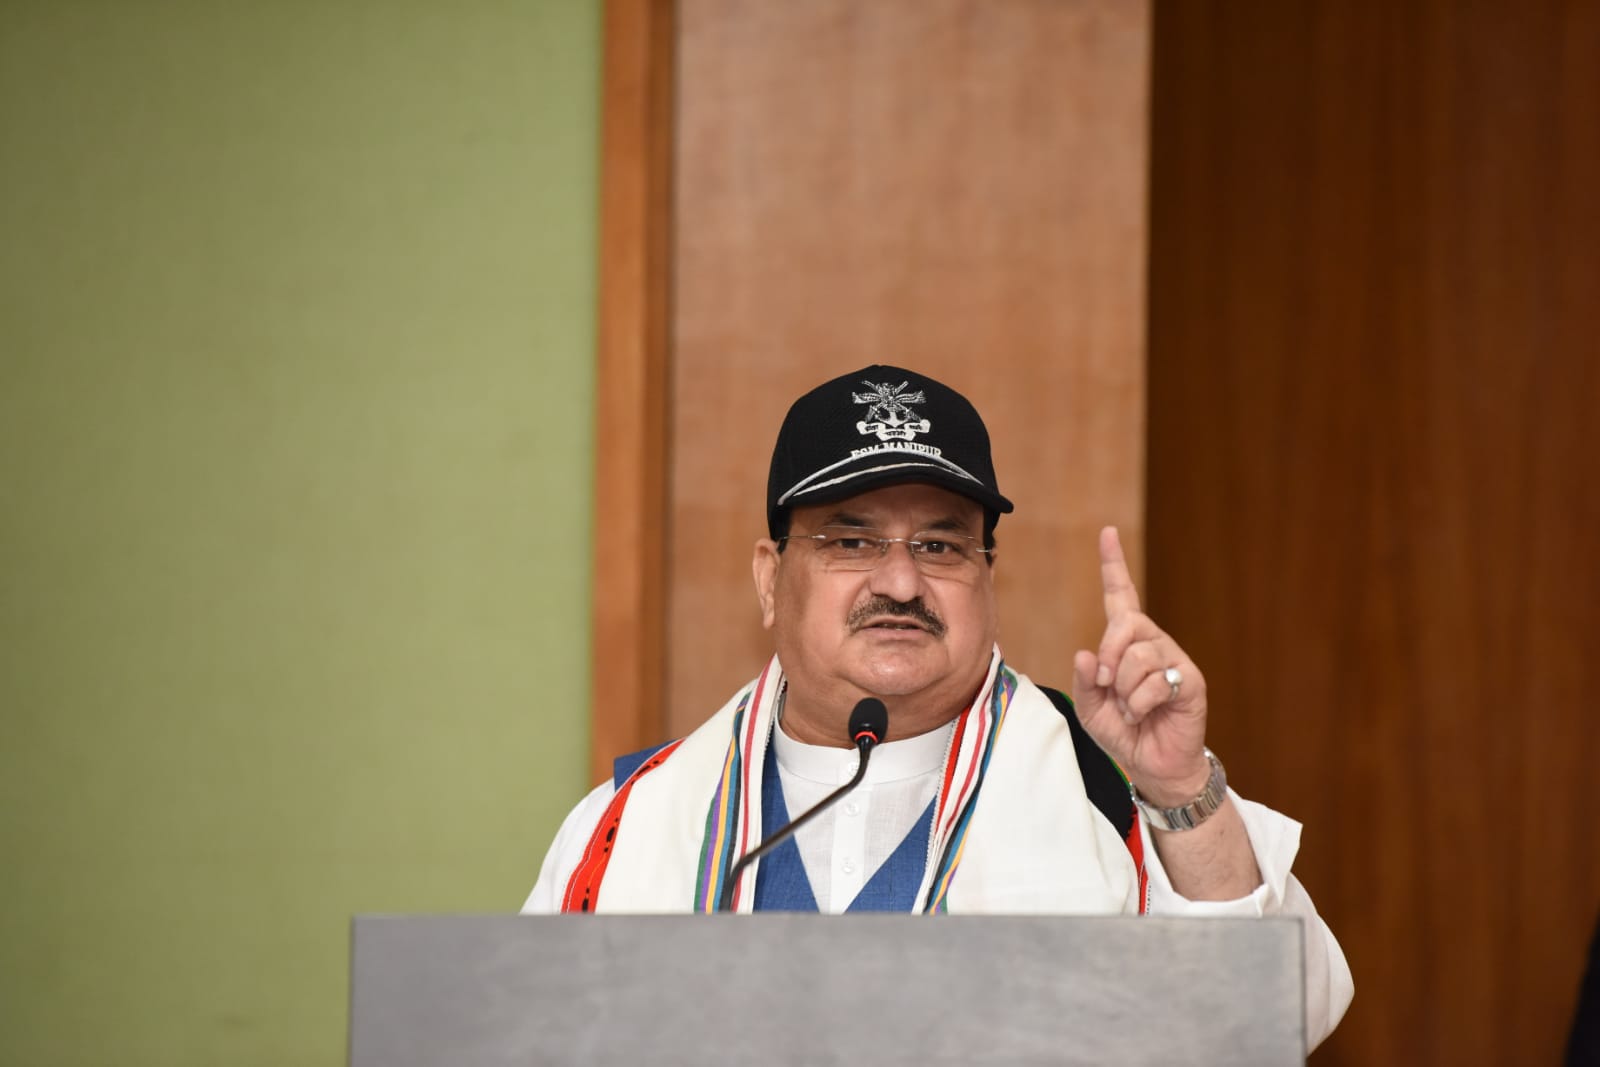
[(1197, 810)]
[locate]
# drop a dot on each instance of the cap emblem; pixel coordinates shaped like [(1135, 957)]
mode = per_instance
[(889, 416)]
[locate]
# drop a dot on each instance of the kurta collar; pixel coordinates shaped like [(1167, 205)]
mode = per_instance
[(892, 761)]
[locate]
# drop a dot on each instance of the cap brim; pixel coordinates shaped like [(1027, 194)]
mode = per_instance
[(876, 472)]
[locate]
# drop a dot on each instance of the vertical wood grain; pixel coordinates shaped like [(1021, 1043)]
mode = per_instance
[(1375, 479), (631, 386), (956, 186)]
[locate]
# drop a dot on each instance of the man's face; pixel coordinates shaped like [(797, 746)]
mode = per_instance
[(916, 635)]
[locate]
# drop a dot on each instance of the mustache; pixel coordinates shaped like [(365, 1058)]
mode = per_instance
[(880, 606)]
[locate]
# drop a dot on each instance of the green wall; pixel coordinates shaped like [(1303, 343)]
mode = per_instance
[(296, 408)]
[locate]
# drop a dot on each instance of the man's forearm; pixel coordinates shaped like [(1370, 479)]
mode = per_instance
[(1214, 861)]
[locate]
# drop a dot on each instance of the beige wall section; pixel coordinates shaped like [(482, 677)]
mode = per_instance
[(952, 185)]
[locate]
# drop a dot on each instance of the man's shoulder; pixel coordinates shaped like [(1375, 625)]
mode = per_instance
[(622, 767), (1103, 781)]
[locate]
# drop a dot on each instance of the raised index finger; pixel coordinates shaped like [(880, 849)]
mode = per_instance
[(1117, 584)]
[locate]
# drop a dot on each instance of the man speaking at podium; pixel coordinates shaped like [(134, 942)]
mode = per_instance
[(987, 793)]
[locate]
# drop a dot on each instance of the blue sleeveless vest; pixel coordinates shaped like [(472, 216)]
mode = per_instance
[(781, 881)]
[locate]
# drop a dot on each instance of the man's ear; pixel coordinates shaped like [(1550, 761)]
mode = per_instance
[(764, 566)]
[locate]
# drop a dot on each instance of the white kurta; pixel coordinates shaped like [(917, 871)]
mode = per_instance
[(844, 846)]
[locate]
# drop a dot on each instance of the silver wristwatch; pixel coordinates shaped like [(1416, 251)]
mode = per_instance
[(1197, 810)]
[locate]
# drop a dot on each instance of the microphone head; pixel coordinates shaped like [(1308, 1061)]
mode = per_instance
[(869, 721)]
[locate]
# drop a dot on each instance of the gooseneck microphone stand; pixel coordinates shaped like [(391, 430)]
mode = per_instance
[(869, 721)]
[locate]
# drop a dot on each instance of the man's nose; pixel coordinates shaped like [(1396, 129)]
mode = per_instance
[(897, 575)]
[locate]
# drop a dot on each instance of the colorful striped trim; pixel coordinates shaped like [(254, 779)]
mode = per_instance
[(715, 853), (992, 717), (728, 819), (1135, 843)]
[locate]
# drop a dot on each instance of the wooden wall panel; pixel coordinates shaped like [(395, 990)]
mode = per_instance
[(1375, 479), (631, 379), (953, 185)]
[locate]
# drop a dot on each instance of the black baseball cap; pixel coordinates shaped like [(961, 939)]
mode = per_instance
[(875, 427)]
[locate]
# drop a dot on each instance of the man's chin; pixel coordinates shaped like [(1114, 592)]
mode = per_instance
[(900, 671)]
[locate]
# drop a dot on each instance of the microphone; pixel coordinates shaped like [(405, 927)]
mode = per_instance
[(868, 723)]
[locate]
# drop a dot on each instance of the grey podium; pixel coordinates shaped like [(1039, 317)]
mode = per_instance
[(476, 991)]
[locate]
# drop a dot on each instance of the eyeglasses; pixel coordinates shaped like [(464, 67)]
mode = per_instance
[(861, 548)]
